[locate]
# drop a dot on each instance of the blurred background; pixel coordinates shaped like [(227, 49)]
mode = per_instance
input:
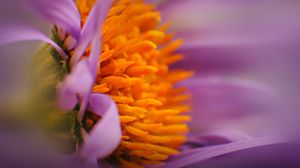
[(247, 41)]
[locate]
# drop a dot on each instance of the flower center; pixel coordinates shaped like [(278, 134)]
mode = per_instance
[(135, 71)]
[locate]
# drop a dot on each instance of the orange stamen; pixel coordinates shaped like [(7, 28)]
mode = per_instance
[(134, 71)]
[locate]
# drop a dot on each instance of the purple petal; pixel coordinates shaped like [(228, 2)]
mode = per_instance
[(217, 100), (93, 61), (217, 59), (91, 27), (78, 83), (66, 99), (275, 156), (227, 37), (94, 57), (106, 134), (201, 154), (90, 34), (232, 20), (213, 138), (19, 33), (62, 13), (69, 92)]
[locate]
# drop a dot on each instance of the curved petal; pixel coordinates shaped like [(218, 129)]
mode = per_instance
[(93, 62), (213, 138), (106, 134), (79, 82), (66, 97), (62, 13), (201, 154), (216, 100), (91, 35), (18, 33), (91, 27), (94, 57), (276, 155)]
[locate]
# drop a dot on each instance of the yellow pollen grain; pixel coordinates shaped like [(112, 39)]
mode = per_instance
[(147, 127), (177, 119), (170, 129), (155, 139), (147, 103), (127, 119), (141, 70), (149, 147), (101, 88), (126, 109), (135, 131), (142, 47), (181, 108), (166, 112), (107, 54), (122, 99), (134, 70)]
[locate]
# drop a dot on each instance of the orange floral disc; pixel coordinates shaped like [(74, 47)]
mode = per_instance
[(135, 72)]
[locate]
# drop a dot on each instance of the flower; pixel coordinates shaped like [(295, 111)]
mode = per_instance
[(134, 70)]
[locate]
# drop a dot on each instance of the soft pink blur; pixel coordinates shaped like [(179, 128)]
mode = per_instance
[(255, 41)]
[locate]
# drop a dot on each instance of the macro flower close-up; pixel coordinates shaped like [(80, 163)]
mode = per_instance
[(149, 83)]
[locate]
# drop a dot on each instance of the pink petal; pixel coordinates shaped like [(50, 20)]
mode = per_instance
[(201, 154), (275, 156), (19, 33), (106, 134), (93, 62), (79, 82), (226, 37), (63, 13), (218, 100), (90, 34), (94, 57), (91, 28), (213, 138)]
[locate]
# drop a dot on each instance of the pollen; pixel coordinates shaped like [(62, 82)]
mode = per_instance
[(134, 70)]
